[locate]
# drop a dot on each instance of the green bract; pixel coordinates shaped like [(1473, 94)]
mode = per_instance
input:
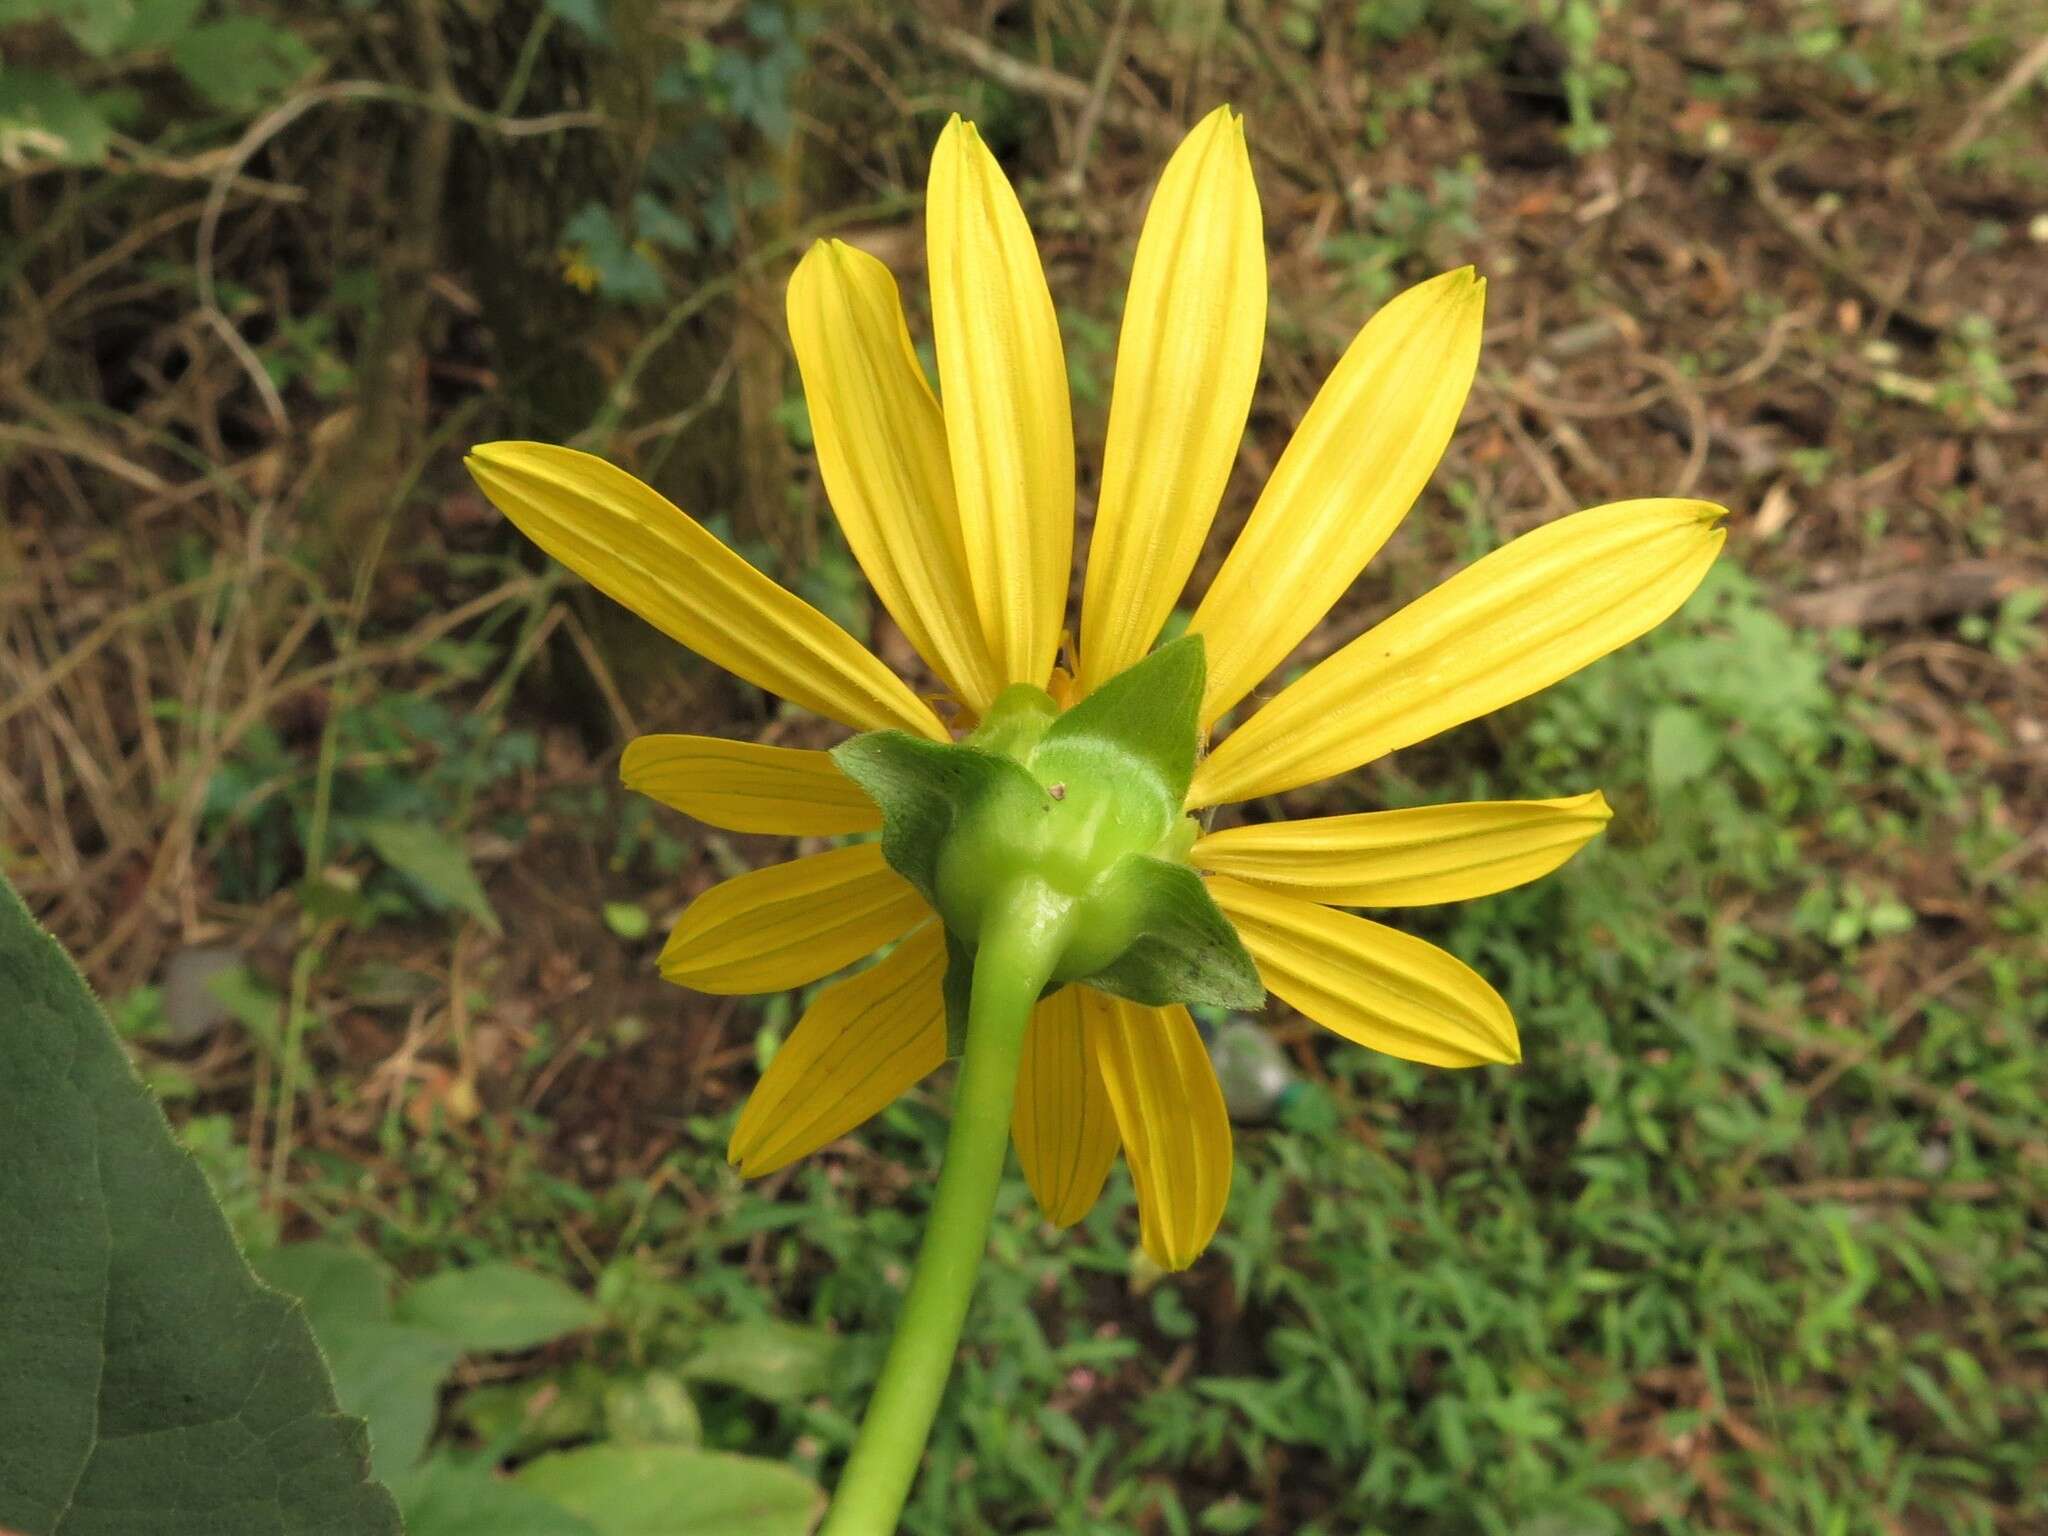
[(1081, 809)]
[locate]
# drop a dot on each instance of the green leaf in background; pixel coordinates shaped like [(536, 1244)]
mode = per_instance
[(497, 1308), (240, 62), (155, 23), (623, 271), (44, 118), (142, 1365), (95, 25), (587, 16), (665, 1491), (517, 1418), (628, 920), (446, 1497), (780, 1362), (390, 1375), (1683, 745), (338, 1286), (657, 1409), (436, 864)]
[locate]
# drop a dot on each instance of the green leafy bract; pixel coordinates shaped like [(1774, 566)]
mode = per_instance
[(1186, 950), (1143, 720), (924, 788)]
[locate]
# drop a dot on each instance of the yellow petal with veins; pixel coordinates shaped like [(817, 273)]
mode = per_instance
[(861, 1044), (1361, 455), (791, 923), (1374, 985), (744, 787), (1186, 363), (1063, 1125), (641, 550), (1003, 381), (881, 446), (1407, 858), (1170, 1114), (1534, 611)]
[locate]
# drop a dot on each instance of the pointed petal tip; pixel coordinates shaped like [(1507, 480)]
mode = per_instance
[(1509, 1040), (496, 454)]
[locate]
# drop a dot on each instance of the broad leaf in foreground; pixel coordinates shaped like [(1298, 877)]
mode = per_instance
[(148, 1381)]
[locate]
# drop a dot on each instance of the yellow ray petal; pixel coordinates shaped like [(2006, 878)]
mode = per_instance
[(1361, 455), (635, 546), (1186, 363), (745, 787), (1063, 1125), (1535, 610), (1372, 984), (882, 451), (1408, 858), (1170, 1114), (861, 1043), (791, 923), (1003, 378)]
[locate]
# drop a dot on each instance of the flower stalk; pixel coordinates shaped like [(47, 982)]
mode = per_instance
[(1019, 948)]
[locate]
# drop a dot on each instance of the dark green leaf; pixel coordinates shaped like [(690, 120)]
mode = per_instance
[(1146, 715), (435, 863), (142, 1366), (157, 23), (656, 221), (96, 26), (497, 1308), (923, 789), (240, 62), (587, 16), (623, 272), (652, 1490), (45, 118), (1186, 950)]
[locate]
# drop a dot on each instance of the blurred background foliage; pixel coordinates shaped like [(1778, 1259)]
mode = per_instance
[(314, 765)]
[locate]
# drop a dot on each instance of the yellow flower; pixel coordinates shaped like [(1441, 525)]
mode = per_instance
[(578, 271), (963, 519)]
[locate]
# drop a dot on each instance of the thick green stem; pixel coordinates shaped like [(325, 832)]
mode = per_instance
[(1019, 946)]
